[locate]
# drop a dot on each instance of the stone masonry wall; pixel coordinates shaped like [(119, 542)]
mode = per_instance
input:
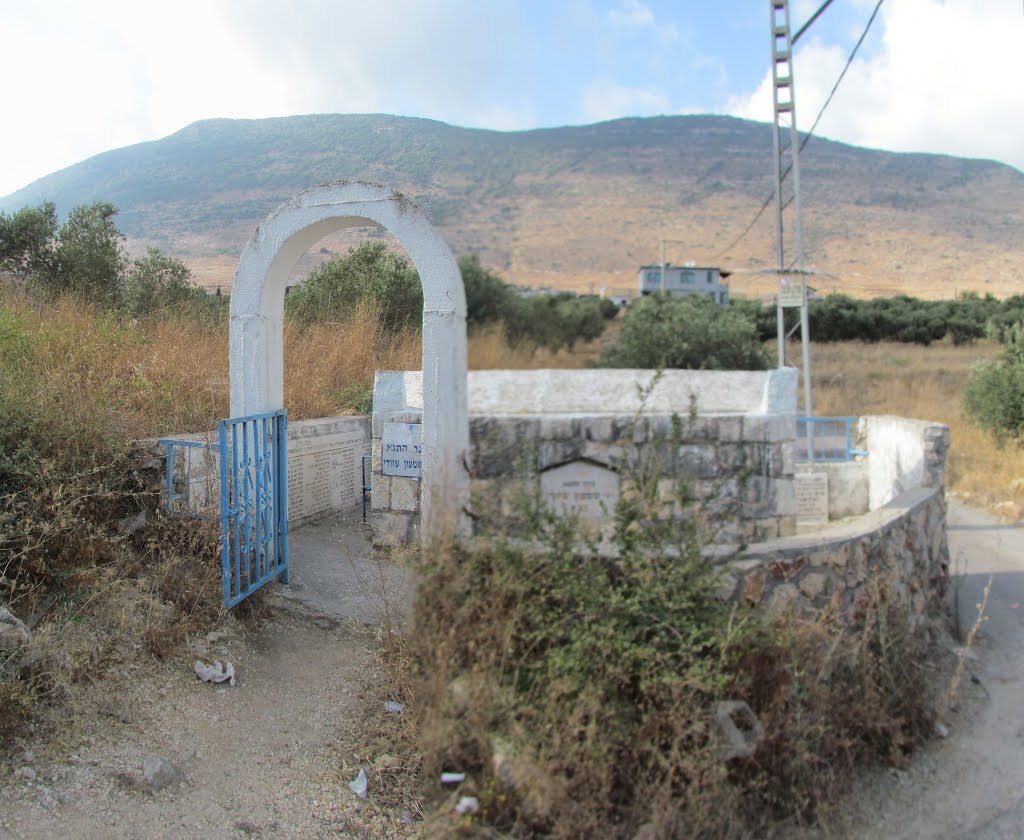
[(743, 463), (898, 551)]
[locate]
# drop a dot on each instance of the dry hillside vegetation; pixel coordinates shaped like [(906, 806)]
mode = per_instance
[(578, 207)]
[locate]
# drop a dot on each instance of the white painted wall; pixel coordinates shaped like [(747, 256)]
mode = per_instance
[(602, 391), (257, 310), (897, 450)]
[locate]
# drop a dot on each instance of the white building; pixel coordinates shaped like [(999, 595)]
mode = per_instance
[(684, 280)]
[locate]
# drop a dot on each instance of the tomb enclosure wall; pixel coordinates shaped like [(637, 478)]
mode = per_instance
[(324, 468), (564, 436)]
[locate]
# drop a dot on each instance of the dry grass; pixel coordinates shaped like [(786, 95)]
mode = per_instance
[(924, 383)]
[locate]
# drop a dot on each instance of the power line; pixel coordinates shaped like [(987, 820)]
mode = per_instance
[(808, 135), (846, 67)]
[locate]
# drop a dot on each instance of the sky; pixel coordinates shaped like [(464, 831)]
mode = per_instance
[(81, 78)]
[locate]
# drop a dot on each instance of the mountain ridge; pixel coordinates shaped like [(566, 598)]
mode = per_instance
[(573, 206)]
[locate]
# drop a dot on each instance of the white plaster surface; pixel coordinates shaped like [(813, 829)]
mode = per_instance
[(256, 329), (603, 391), (895, 456)]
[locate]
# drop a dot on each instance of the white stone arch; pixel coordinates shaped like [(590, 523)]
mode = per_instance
[(257, 316)]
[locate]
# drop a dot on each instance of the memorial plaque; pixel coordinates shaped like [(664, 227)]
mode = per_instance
[(401, 451), (324, 473), (811, 498), (584, 488)]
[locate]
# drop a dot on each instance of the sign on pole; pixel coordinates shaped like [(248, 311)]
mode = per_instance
[(791, 292)]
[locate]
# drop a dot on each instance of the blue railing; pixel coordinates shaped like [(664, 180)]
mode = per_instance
[(826, 439), (179, 475)]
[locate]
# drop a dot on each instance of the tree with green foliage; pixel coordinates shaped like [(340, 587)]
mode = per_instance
[(994, 391), (664, 331), (369, 271), (158, 283), (488, 297), (89, 260), (27, 240)]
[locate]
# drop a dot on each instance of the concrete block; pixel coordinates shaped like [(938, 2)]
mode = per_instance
[(754, 427), (788, 458), (731, 457), (730, 429), (702, 429), (697, 461), (405, 494), (784, 491), (600, 429), (558, 427), (780, 428), (553, 452), (380, 491)]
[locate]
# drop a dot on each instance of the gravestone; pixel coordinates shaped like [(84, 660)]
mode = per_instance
[(584, 488), (811, 498)]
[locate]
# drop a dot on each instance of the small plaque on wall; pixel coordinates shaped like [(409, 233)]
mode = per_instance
[(401, 450)]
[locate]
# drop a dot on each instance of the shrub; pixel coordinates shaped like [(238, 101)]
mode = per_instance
[(158, 284), (368, 272), (994, 391), (576, 687), (661, 331)]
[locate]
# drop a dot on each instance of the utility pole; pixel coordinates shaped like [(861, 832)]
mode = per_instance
[(785, 144)]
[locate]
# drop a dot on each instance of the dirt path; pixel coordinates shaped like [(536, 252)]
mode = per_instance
[(272, 756), (269, 757)]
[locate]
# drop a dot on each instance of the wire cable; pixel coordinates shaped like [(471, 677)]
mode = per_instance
[(808, 134)]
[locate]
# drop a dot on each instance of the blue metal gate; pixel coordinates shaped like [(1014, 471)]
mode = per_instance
[(253, 502)]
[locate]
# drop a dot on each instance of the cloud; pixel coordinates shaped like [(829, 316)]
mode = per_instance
[(607, 100), (634, 15), (945, 78)]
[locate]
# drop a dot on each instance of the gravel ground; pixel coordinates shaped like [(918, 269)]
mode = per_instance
[(268, 757)]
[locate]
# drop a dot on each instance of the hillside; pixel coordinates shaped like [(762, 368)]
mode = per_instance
[(575, 207)]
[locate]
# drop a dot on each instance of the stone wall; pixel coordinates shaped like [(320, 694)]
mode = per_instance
[(324, 468), (524, 444), (898, 551), (901, 454)]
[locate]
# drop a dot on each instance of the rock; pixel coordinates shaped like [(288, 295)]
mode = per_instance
[(160, 773), (467, 805), (784, 597), (387, 761), (130, 524), (941, 730), (726, 587), (14, 633), (27, 773), (646, 832), (814, 584), (739, 727), (753, 587)]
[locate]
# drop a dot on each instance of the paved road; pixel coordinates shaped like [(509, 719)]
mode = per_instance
[(992, 788)]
